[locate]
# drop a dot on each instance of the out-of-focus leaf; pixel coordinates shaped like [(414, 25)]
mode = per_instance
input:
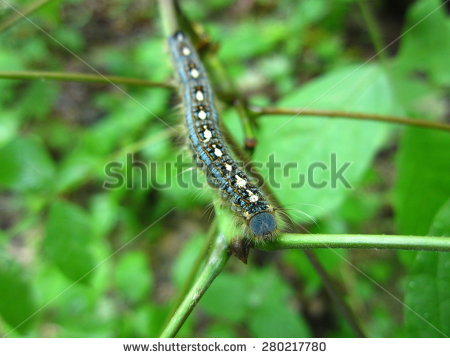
[(38, 99), (156, 68), (258, 298), (17, 303), (423, 179), (186, 259), (270, 314), (331, 260), (428, 287), (249, 39), (226, 298), (25, 165), (68, 240), (220, 330), (8, 126), (144, 321), (426, 46), (328, 153), (133, 276), (104, 213)]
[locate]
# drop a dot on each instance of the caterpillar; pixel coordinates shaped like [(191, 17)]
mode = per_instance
[(208, 147)]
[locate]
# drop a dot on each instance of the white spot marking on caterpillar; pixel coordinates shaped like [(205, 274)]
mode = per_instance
[(207, 134), (202, 114), (195, 73), (186, 51), (253, 197), (228, 167), (199, 96), (240, 182), (217, 151)]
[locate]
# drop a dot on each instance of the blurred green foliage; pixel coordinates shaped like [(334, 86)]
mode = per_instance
[(77, 260)]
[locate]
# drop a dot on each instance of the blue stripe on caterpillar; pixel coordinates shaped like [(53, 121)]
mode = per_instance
[(202, 121)]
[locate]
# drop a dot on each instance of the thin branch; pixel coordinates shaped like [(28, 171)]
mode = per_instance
[(346, 241), (80, 77), (228, 86), (333, 292), (17, 16), (258, 111), (199, 261), (168, 17), (373, 29), (216, 261)]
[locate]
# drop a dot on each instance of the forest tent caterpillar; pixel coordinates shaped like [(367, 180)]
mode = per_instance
[(208, 146)]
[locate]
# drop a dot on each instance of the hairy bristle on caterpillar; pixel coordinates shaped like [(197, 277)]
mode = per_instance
[(236, 187)]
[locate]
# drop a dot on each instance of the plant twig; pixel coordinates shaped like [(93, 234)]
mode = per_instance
[(168, 16), (80, 77), (346, 241), (332, 291), (199, 261), (258, 111), (21, 14), (373, 29), (215, 262)]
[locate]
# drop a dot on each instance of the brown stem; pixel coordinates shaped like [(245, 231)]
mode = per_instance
[(21, 14), (258, 111), (331, 288), (80, 77)]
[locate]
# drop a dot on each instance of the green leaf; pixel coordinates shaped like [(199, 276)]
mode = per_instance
[(186, 258), (330, 260), (271, 312), (226, 298), (425, 47), (8, 126), (25, 165), (248, 40), (38, 99), (349, 146), (17, 303), (423, 179), (260, 299), (133, 276), (68, 241), (428, 287)]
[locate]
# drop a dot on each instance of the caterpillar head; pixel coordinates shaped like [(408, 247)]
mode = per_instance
[(263, 224)]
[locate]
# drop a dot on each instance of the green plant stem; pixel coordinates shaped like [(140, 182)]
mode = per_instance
[(374, 30), (168, 16), (312, 241), (214, 264), (258, 111), (19, 15), (80, 77), (199, 261), (228, 86)]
